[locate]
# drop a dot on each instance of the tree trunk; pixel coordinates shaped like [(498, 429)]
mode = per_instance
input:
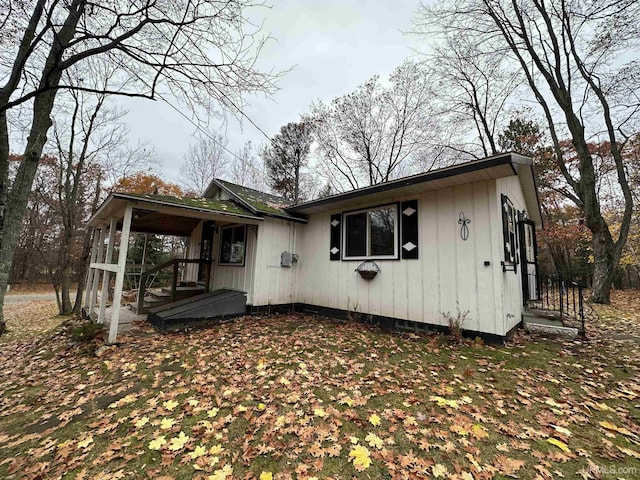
[(83, 265), (604, 268), (65, 288), (17, 198)]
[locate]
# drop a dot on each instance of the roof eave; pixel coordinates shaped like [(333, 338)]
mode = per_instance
[(503, 159), (292, 218), (93, 221)]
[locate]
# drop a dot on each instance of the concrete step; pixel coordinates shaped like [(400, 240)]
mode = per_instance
[(554, 330), (547, 323), (542, 319)]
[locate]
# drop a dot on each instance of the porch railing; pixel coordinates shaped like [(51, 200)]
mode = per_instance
[(175, 263), (558, 295)]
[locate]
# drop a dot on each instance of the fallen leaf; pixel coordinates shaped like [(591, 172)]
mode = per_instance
[(558, 443), (361, 458), (177, 443), (157, 443)]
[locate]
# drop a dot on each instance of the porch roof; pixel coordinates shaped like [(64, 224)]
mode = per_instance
[(169, 215), (257, 202)]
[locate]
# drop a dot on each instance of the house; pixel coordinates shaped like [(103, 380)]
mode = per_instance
[(409, 253)]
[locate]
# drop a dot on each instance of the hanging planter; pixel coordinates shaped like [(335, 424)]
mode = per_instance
[(368, 270)]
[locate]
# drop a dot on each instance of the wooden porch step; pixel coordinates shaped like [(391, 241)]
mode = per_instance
[(195, 290), (156, 297), (158, 292)]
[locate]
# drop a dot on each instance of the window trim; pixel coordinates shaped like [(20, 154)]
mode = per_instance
[(244, 253), (512, 232), (396, 237)]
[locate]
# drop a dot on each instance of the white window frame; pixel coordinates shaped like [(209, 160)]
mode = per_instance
[(396, 234)]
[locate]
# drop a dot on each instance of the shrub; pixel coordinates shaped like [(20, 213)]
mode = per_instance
[(86, 332), (456, 324)]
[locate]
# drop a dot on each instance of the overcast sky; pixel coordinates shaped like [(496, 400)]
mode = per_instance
[(333, 46)]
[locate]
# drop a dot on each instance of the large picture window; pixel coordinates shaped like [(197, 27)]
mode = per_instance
[(233, 245), (371, 233)]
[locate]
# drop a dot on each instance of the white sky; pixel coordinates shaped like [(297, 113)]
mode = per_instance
[(333, 46)]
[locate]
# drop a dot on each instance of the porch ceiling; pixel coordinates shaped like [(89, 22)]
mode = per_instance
[(153, 215)]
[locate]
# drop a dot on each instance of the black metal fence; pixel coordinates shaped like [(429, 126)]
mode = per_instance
[(557, 294)]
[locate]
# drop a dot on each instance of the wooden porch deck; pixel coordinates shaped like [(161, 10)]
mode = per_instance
[(127, 320)]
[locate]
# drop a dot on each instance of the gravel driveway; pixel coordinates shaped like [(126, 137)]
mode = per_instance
[(27, 297)]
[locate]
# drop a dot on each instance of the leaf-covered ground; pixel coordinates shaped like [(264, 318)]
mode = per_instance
[(295, 396), (29, 319)]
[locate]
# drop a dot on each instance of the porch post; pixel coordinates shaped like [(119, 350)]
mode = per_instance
[(90, 271), (106, 275), (122, 263), (96, 276)]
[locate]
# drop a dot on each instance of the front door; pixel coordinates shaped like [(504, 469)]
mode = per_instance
[(529, 259), (206, 249)]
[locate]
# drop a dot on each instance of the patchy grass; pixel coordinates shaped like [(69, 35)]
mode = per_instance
[(302, 397)]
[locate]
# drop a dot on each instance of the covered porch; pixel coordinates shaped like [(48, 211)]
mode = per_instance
[(197, 219)]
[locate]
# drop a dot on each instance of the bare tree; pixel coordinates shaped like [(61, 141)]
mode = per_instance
[(577, 63), (198, 50), (206, 159), (285, 156), (371, 135), (246, 168), (471, 93)]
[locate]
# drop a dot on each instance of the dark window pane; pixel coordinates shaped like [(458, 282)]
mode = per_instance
[(356, 234), (382, 231), (237, 247), (226, 238)]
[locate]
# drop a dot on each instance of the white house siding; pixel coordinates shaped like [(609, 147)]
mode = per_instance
[(511, 283), (190, 273), (234, 276), (273, 284), (448, 275)]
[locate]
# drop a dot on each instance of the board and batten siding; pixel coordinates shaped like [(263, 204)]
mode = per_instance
[(190, 273), (273, 284), (511, 283), (235, 276), (262, 277), (449, 276)]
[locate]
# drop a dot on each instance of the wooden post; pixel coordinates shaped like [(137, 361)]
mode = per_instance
[(142, 290), (174, 282), (106, 275), (96, 277), (207, 278), (90, 271), (122, 263)]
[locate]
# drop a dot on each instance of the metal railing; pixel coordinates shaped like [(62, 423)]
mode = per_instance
[(557, 294)]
